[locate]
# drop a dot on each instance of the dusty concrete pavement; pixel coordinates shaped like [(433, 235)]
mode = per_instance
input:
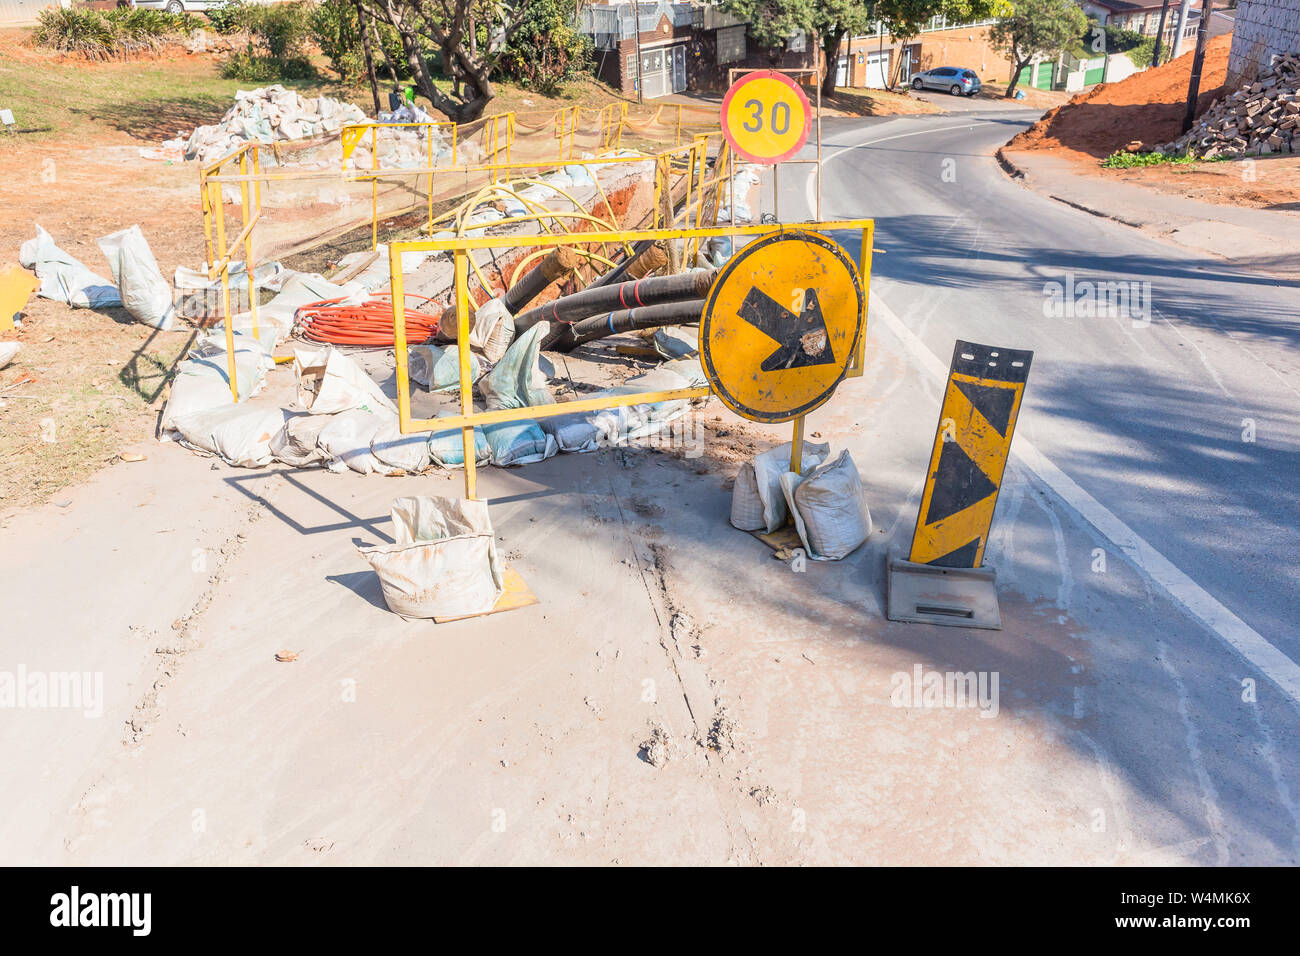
[(1123, 730)]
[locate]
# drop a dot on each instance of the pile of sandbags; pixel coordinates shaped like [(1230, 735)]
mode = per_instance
[(1258, 119), (825, 499), (268, 115)]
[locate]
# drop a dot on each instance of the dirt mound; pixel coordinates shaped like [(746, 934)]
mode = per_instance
[(1147, 106)]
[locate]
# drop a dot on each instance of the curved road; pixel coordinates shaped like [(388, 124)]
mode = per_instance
[(1159, 446)]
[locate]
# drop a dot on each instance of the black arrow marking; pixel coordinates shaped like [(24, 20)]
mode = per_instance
[(802, 338)]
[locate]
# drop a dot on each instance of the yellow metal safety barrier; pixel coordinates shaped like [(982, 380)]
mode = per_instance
[(221, 252), (461, 248), (683, 164), (498, 133)]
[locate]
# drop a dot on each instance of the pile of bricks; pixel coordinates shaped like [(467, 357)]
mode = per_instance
[(1258, 119)]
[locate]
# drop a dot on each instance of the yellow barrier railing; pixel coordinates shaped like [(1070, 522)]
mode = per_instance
[(461, 247), (221, 252), (685, 164)]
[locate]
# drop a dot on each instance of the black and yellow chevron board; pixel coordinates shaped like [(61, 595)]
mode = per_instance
[(978, 417)]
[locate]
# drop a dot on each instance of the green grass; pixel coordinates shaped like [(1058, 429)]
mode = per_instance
[(148, 99), (151, 99), (1122, 160)]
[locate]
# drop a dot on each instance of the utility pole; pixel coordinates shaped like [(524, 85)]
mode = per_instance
[(1182, 23), (1160, 33), (636, 32), (1194, 85)]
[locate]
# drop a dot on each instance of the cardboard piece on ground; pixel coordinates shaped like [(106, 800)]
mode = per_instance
[(784, 538), (16, 287), (517, 594)]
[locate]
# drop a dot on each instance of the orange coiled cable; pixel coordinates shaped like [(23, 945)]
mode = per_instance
[(369, 324)]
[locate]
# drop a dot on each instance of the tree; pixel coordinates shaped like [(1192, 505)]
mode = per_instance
[(773, 22), (449, 26), (546, 48), (1037, 27)]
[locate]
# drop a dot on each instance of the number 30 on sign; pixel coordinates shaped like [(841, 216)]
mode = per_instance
[(766, 117)]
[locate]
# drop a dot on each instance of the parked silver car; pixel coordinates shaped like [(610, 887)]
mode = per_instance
[(956, 80)]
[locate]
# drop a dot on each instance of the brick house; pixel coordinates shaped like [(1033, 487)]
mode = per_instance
[(870, 60), (683, 46)]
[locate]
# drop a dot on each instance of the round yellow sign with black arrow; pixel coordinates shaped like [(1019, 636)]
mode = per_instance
[(781, 326)]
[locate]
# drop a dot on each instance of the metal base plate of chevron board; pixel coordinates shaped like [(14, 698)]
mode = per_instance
[(942, 581), (930, 594)]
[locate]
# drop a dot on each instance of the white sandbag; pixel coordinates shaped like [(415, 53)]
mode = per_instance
[(518, 381), (8, 351), (690, 369), (675, 342), (199, 297), (212, 344), (493, 330), (65, 279), (438, 369), (829, 508), (519, 443), (191, 394), (573, 433), (297, 442), (346, 440), (609, 427), (146, 294), (238, 434), (203, 381), (746, 503), (330, 382), (398, 452), (762, 478), (269, 327), (579, 175), (444, 562), (625, 423), (447, 448)]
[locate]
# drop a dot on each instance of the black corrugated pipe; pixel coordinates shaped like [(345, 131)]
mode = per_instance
[(556, 263), (626, 320), (647, 256), (623, 295)]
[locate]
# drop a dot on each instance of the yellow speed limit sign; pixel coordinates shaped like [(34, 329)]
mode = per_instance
[(781, 326), (766, 117)]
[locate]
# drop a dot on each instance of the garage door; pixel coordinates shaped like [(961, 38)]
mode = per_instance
[(877, 75), (663, 71)]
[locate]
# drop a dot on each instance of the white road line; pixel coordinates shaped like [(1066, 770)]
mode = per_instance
[(1232, 630), (1209, 795), (810, 194)]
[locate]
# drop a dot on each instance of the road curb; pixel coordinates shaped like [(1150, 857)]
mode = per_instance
[(1008, 167)]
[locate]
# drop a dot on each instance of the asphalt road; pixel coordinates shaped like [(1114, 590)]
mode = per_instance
[(1146, 411), (1166, 435)]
